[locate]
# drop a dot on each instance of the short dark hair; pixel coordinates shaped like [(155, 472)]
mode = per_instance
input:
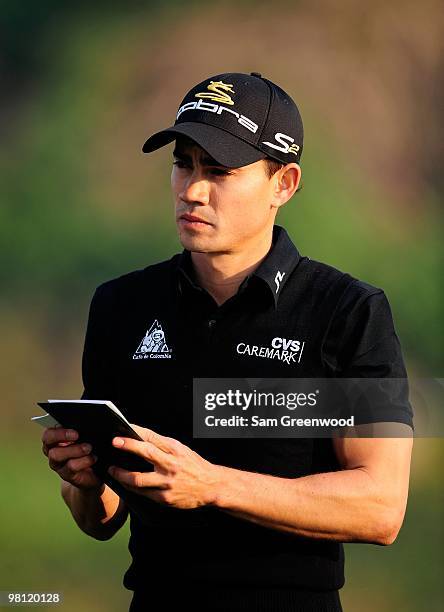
[(272, 166)]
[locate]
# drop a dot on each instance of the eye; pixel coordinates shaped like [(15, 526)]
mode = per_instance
[(179, 163), (214, 171), (220, 172)]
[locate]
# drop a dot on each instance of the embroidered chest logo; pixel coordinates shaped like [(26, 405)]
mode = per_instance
[(153, 345), (285, 349)]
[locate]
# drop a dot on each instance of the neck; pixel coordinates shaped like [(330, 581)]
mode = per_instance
[(221, 273)]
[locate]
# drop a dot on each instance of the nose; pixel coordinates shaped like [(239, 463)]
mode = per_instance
[(195, 189)]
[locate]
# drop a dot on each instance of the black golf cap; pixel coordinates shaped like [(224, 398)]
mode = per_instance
[(237, 119)]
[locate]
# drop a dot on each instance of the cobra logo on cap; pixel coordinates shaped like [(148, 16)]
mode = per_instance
[(218, 96), (218, 92)]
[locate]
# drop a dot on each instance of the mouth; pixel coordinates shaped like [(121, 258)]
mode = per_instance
[(192, 221)]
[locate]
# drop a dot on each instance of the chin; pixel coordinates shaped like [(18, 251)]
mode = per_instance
[(198, 244)]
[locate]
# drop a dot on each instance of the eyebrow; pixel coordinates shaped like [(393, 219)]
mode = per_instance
[(206, 161)]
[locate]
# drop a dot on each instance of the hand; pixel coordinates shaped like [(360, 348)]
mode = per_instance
[(181, 478), (71, 461)]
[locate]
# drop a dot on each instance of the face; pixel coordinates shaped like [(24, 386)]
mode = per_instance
[(232, 206)]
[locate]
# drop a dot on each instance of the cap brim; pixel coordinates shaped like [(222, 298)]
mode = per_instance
[(222, 146)]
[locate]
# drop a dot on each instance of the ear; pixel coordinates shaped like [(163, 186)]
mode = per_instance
[(286, 181)]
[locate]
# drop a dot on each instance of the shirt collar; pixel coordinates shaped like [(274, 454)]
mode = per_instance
[(273, 272)]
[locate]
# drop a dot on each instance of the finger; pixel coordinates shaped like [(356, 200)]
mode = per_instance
[(62, 454), (81, 463), (53, 435), (46, 448), (151, 436), (138, 479), (73, 466), (146, 450)]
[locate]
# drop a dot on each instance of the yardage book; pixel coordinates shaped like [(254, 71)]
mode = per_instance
[(98, 422)]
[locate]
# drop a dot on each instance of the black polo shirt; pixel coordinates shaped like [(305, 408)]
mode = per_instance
[(152, 330)]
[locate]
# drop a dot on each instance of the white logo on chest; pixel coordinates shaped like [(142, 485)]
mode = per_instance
[(285, 349), (153, 345)]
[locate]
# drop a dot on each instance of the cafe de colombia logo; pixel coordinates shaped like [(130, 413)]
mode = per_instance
[(153, 345)]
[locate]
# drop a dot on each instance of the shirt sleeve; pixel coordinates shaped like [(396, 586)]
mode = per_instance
[(97, 373), (363, 344)]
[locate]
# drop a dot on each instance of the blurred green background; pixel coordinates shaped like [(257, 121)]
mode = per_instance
[(82, 86)]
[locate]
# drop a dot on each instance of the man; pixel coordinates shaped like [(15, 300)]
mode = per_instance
[(248, 524)]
